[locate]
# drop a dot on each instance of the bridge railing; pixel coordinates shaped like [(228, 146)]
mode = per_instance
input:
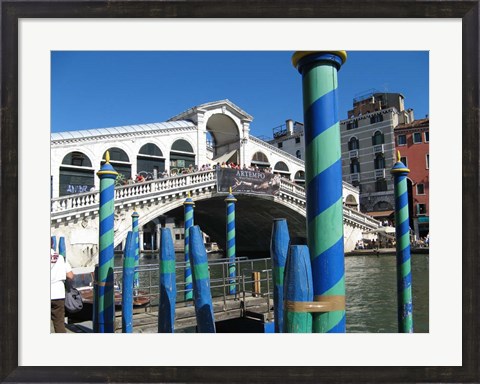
[(89, 200)]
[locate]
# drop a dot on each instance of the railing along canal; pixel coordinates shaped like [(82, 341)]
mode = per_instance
[(253, 279)]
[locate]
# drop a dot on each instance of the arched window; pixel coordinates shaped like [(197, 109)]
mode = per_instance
[(76, 174), (181, 155), (260, 160), (298, 154), (299, 178), (150, 161), (282, 169), (378, 138), (353, 143), (379, 161), (182, 146), (351, 202), (354, 166), (119, 161)]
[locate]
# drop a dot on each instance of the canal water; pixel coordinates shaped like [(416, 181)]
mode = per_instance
[(371, 297)]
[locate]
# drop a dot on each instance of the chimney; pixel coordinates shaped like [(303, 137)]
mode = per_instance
[(289, 123)]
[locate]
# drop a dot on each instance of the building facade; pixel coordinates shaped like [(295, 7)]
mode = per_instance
[(412, 141), (368, 149)]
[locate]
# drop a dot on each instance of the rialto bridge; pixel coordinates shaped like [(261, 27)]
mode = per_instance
[(207, 134)]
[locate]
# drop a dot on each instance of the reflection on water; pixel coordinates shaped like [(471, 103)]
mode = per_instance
[(371, 295)]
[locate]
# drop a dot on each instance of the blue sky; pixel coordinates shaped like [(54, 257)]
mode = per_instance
[(105, 89)]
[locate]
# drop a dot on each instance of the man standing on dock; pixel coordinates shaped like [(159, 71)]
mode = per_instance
[(60, 270)]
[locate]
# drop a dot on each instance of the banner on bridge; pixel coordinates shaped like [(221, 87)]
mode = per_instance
[(245, 181)]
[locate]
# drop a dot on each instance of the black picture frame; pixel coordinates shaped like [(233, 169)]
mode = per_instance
[(12, 11)]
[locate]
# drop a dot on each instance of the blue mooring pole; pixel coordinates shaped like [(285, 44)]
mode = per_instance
[(168, 287), (127, 283), (278, 252), (53, 243), (231, 249), (402, 234), (136, 241), (62, 249), (298, 291), (201, 282), (188, 223)]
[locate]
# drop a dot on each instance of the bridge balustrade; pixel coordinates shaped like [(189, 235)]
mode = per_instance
[(85, 202)]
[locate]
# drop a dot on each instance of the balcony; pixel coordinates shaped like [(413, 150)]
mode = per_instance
[(378, 149), (354, 177), (379, 173), (353, 154)]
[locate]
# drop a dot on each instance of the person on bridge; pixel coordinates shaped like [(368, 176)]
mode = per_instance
[(60, 270)]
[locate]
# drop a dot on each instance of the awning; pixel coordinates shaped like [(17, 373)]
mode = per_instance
[(381, 230), (423, 219), (379, 213), (224, 158)]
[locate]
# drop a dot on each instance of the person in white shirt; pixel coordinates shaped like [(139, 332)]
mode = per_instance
[(60, 270)]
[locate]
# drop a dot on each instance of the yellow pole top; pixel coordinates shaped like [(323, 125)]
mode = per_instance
[(107, 157), (297, 56), (398, 156), (230, 190)]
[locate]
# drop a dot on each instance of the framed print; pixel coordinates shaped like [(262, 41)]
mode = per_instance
[(32, 30)]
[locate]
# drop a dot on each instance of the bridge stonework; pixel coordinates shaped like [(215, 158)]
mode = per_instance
[(75, 215)]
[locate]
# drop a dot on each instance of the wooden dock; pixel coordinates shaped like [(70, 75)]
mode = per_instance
[(145, 319)]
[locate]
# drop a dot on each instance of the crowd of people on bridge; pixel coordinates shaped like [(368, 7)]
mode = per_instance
[(147, 176)]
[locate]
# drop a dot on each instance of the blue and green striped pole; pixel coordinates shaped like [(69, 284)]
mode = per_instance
[(402, 234), (323, 179), (278, 252), (136, 241), (168, 288), (62, 249), (298, 291), (231, 200), (201, 282), (104, 283), (188, 223), (127, 284)]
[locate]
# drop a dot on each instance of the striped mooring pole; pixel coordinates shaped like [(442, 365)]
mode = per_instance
[(323, 177), (201, 282), (136, 242), (402, 234), (167, 283), (104, 290), (188, 223), (127, 283), (298, 291), (278, 252), (231, 254), (62, 249)]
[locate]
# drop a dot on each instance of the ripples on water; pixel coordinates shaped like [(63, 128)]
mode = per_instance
[(371, 293)]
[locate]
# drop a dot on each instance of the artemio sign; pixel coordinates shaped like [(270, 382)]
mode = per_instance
[(246, 181)]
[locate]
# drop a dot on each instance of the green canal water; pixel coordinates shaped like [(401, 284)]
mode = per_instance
[(370, 281)]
